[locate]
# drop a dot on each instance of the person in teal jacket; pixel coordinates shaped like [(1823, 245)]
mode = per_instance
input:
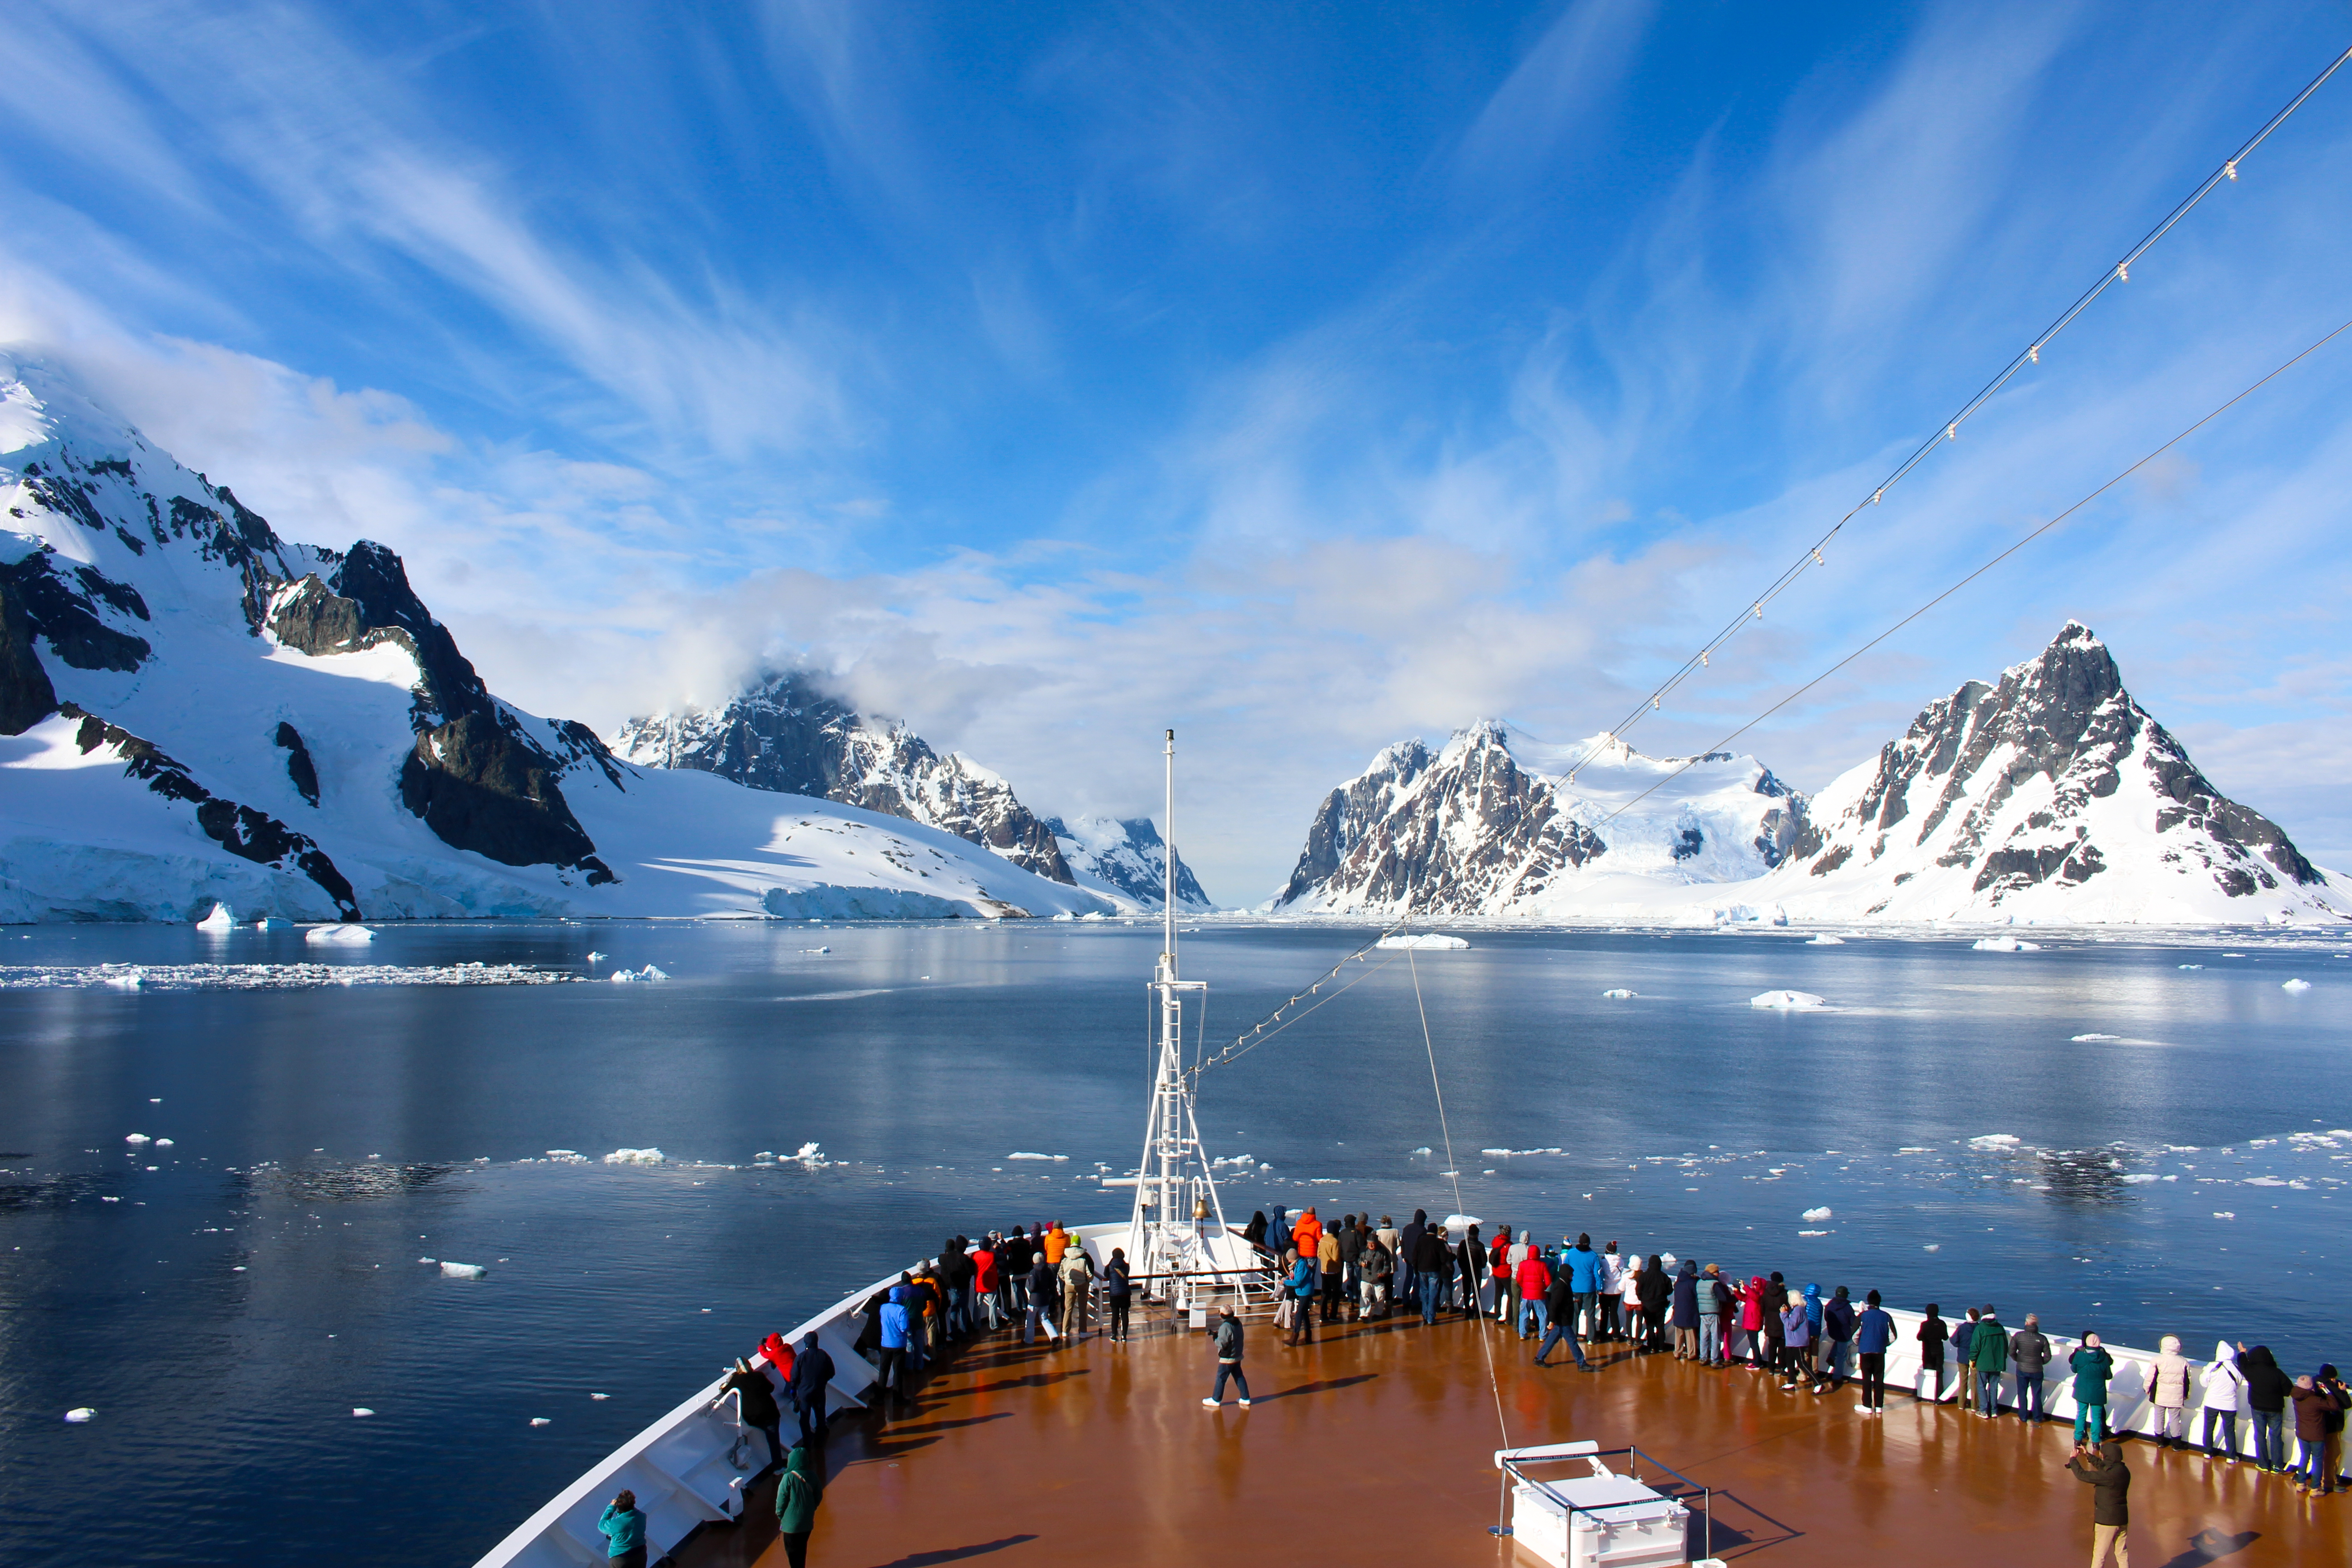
[(2092, 1366), (797, 1496), (625, 1531)]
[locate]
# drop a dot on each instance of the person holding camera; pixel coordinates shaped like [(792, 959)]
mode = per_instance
[(625, 1531), (2102, 1468)]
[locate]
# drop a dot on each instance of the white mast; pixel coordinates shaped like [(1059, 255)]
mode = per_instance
[(1178, 1216)]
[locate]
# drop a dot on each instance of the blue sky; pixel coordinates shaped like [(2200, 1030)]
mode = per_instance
[(1304, 377)]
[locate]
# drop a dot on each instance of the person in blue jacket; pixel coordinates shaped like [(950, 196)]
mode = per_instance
[(625, 1531), (1302, 1298), (1583, 1267), (1874, 1332), (893, 1346)]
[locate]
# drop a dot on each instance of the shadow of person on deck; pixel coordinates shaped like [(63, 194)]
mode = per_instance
[(955, 1553), (1324, 1386), (2210, 1545)]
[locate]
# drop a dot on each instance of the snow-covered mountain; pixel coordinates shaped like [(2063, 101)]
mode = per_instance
[(1491, 825), (2049, 795), (784, 735), (198, 709), (1125, 858)]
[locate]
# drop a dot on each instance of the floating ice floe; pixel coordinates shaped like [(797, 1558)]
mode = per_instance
[(272, 922), (1620, 994), (2004, 945), (600, 1397), (1816, 1216), (79, 1415), (2225, 1214), (567, 1156), (344, 935), (109, 1199), (1426, 942), (462, 1271), (816, 951), (1513, 1154), (1931, 1246), (163, 1142), (222, 918), (1788, 1001), (2295, 985), (810, 1156), (2082, 1039), (137, 1138), (1813, 1232), (2137, 1176), (1826, 942), (1994, 1141), (124, 980), (1024, 1155), (633, 1157), (542, 1421), (362, 1411), (2192, 966), (595, 958), (625, 977), (1423, 1150), (271, 976)]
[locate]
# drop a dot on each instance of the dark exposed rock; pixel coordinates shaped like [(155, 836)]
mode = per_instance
[(299, 766), (25, 695), (244, 832), (479, 786), (784, 734), (67, 614)]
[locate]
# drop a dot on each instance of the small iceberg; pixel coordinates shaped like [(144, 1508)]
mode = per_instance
[(272, 922), (812, 1157), (1826, 942), (624, 976), (79, 1415), (2004, 945), (633, 1157), (1813, 1232), (362, 1411), (1816, 1216), (221, 918), (1024, 1155), (595, 958), (2295, 985), (2086, 1039), (2192, 966), (462, 1271), (542, 1421), (137, 1138), (339, 936), (126, 980), (1788, 1001), (1994, 1141), (1620, 994), (1425, 941), (2225, 1214)]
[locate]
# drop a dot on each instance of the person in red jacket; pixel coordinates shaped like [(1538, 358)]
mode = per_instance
[(1498, 1268), (984, 1281), (1535, 1283)]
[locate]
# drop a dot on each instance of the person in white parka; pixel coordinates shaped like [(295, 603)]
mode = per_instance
[(2169, 1383), (2224, 1387)]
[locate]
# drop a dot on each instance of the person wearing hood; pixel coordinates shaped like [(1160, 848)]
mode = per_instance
[(2028, 1351), (1277, 1231), (1302, 1297), (1751, 1321), (1118, 1293), (1470, 1273), (2266, 1390), (2169, 1384), (1873, 1333), (1796, 1338), (797, 1496), (2319, 1431), (1992, 1357), (2225, 1385), (893, 1375), (2092, 1367), (1686, 1310), (1255, 1232), (2103, 1469), (755, 1401), (1811, 1363), (1308, 1237), (810, 1386), (2331, 1427), (1533, 1276), (1014, 1257)]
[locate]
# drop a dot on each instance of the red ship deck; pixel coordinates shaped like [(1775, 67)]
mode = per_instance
[(1378, 1444)]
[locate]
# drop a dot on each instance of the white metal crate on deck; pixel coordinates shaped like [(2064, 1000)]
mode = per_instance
[(1600, 1519)]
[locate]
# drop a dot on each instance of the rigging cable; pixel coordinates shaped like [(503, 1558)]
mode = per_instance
[(1275, 1023), (1691, 762), (1446, 1135), (1949, 431)]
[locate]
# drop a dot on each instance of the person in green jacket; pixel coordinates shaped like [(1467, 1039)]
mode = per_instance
[(2092, 1366), (797, 1496), (624, 1525), (1989, 1351)]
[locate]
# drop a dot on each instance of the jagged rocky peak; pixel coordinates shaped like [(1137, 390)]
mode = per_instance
[(2033, 788), (1127, 857), (1495, 824), (786, 734)]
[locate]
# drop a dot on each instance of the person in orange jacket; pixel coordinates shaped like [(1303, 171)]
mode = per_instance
[(1057, 1241)]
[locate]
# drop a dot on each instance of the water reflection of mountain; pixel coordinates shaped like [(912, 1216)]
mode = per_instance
[(342, 1184)]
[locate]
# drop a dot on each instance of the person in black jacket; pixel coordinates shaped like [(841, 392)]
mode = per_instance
[(757, 1398), (2266, 1391), (811, 1377), (1655, 1291), (1559, 1305), (2104, 1470), (1932, 1336), (1429, 1256)]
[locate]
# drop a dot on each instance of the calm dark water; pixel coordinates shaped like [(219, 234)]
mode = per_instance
[(230, 1309)]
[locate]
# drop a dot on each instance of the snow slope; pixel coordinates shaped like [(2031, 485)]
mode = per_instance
[(193, 709), (1125, 858)]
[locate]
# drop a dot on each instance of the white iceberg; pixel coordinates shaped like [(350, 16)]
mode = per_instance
[(1788, 1001), (1425, 941), (222, 918), (2004, 945), (339, 936), (1619, 994), (2225, 1214), (633, 1157), (137, 1138), (567, 1156), (541, 1421), (1024, 1155), (2141, 1176), (163, 1142), (462, 1271), (2081, 1039), (362, 1411), (1813, 1232), (812, 1157), (79, 1415), (1826, 942), (1994, 1141), (624, 976), (1817, 1215), (595, 958), (272, 922), (125, 980), (2295, 985)]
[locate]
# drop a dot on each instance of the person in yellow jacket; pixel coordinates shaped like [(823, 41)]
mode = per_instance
[(1327, 1259)]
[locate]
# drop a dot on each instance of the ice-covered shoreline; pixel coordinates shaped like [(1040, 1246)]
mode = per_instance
[(268, 976)]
